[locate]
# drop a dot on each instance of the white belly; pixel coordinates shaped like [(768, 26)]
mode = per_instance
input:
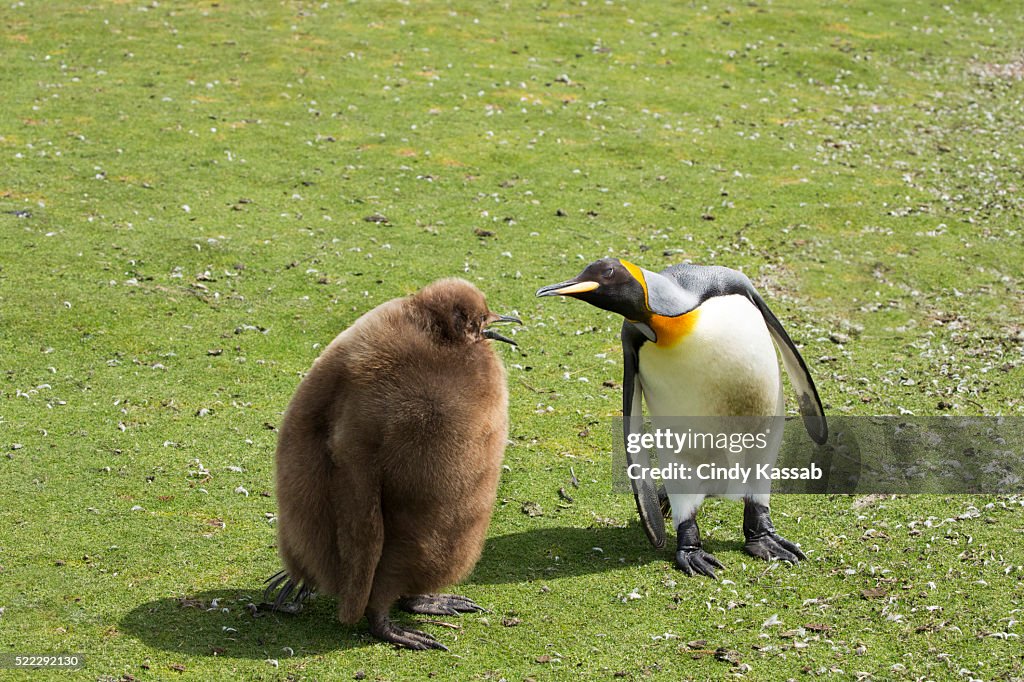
[(727, 365)]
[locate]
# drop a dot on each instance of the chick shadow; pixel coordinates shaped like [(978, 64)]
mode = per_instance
[(225, 622)]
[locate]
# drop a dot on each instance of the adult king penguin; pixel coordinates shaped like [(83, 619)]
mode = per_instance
[(388, 460), (697, 342)]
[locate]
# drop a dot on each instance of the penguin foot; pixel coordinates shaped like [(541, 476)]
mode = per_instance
[(387, 630), (695, 561), (762, 540), (774, 546), (438, 604), (691, 558)]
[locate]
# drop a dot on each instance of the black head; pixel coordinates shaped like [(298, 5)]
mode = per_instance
[(457, 312), (609, 284)]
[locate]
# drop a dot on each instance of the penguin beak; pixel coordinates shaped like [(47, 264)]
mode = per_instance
[(492, 334), (569, 288)]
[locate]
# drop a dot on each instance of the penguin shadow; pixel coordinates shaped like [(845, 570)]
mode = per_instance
[(221, 623), (551, 553)]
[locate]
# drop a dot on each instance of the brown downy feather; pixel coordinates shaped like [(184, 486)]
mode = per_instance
[(388, 460)]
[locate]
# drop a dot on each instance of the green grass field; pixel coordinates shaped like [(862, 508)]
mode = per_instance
[(184, 205)]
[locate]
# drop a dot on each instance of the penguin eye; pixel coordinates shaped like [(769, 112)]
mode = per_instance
[(608, 274)]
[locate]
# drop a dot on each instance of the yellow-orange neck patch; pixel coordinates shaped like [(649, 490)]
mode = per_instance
[(638, 275), (672, 330)]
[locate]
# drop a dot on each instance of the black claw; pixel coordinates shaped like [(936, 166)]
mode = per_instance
[(438, 604), (762, 540), (697, 561), (285, 601), (690, 555), (273, 582), (385, 629), (774, 546), (790, 547), (285, 592), (411, 639)]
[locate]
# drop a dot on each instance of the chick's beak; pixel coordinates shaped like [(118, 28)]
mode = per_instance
[(492, 334)]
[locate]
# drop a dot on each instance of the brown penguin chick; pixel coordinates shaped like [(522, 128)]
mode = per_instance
[(388, 460)]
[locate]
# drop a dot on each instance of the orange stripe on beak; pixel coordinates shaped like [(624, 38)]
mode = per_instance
[(578, 288)]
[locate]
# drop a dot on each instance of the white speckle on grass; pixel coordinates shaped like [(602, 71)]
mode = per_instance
[(771, 622), (235, 469), (273, 662), (242, 491), (632, 596), (186, 208), (137, 508)]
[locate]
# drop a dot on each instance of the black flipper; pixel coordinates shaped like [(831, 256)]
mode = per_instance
[(807, 395), (644, 490)]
